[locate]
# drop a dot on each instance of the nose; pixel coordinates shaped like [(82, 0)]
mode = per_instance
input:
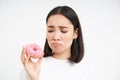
[(56, 36)]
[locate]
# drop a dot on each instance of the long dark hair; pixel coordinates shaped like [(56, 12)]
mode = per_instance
[(77, 47)]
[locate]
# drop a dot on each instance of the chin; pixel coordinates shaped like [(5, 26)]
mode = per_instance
[(56, 52)]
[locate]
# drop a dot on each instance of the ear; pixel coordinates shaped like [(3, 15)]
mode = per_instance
[(75, 34)]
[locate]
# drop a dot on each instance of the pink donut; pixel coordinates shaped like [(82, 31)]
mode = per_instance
[(34, 50)]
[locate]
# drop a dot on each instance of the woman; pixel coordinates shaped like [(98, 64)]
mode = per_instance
[(63, 47)]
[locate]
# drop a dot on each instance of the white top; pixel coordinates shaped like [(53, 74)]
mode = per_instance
[(56, 69)]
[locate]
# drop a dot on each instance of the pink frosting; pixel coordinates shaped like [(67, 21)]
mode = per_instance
[(34, 50)]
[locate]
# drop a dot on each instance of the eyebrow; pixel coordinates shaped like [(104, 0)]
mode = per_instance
[(58, 26)]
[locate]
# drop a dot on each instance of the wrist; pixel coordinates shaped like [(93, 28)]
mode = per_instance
[(35, 78)]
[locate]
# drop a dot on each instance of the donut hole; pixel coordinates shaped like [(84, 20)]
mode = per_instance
[(35, 49)]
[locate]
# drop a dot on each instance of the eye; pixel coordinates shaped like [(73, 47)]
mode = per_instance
[(64, 31), (50, 31)]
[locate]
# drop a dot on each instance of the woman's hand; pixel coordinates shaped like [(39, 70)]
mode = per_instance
[(32, 69)]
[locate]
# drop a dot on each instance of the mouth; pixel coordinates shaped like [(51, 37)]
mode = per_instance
[(55, 44)]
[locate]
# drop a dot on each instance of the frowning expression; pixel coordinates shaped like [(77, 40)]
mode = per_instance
[(60, 33)]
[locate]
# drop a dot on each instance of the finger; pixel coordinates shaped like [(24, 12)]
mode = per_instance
[(22, 56), (28, 58), (39, 60)]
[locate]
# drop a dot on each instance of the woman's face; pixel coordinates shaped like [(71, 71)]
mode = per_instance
[(60, 34)]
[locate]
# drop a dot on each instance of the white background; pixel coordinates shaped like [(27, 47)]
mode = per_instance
[(23, 21)]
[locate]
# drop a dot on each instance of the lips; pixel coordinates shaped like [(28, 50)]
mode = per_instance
[(56, 44)]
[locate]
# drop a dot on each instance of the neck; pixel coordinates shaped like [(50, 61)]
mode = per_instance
[(63, 55)]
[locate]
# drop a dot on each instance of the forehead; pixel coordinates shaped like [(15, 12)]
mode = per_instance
[(58, 20)]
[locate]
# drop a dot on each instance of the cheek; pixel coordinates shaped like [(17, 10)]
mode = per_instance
[(48, 37), (68, 38), (67, 41)]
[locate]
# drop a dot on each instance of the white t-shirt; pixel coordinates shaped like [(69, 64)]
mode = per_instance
[(56, 69)]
